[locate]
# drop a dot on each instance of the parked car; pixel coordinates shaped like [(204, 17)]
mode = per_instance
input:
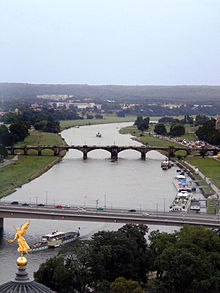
[(100, 209), (145, 214), (132, 210), (41, 205), (25, 204), (81, 210), (59, 206), (15, 202)]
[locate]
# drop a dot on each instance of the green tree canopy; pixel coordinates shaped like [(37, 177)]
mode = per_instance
[(177, 130), (160, 129)]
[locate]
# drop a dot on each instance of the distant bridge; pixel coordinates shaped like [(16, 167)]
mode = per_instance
[(49, 212), (113, 150)]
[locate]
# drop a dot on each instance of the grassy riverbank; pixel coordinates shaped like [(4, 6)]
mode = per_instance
[(64, 124), (26, 168), (149, 139)]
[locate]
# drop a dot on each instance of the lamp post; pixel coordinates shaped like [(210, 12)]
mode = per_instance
[(97, 202), (46, 198), (105, 201), (157, 208)]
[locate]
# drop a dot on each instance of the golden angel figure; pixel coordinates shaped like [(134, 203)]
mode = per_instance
[(22, 244)]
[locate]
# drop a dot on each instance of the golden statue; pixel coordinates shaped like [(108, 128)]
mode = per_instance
[(22, 244)]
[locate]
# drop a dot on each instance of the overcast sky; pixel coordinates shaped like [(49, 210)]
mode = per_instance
[(143, 42)]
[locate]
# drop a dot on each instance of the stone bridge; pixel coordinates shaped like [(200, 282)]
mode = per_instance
[(113, 150)]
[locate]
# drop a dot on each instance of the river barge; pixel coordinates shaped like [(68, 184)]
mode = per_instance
[(166, 164), (55, 239), (182, 183), (181, 202)]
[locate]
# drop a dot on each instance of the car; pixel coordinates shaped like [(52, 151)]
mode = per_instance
[(59, 206), (145, 214), (66, 206), (81, 210), (100, 209), (15, 202), (25, 204), (41, 205), (132, 210)]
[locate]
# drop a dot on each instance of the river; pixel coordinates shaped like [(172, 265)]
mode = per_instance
[(128, 183)]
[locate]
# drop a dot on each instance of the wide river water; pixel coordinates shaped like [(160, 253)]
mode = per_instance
[(128, 183)]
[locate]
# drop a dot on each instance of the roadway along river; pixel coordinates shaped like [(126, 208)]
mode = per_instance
[(128, 183)]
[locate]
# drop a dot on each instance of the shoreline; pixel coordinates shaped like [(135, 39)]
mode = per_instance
[(48, 161)]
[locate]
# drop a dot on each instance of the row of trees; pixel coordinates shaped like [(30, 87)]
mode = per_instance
[(199, 120), (120, 262), (42, 120), (175, 129)]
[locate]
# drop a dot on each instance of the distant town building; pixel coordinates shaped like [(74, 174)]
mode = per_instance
[(217, 125)]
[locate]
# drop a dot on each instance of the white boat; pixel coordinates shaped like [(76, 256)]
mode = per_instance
[(181, 202), (166, 164), (55, 239), (182, 183)]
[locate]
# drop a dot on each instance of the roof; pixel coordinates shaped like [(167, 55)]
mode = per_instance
[(22, 284)]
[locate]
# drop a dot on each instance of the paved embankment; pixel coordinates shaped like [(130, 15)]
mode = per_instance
[(207, 180)]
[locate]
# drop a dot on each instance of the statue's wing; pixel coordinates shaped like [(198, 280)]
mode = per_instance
[(24, 227)]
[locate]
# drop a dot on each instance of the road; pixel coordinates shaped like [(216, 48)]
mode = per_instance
[(8, 210)]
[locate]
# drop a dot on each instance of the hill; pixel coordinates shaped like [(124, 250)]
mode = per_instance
[(116, 92)]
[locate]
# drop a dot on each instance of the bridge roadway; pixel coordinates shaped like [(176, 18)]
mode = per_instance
[(50, 212), (114, 150)]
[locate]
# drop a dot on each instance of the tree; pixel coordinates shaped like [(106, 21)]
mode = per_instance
[(200, 119), (177, 130), (18, 131), (142, 123), (3, 153), (208, 133), (121, 285), (5, 137), (160, 129)]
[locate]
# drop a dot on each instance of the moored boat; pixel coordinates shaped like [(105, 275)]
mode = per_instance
[(182, 183), (55, 239), (166, 164), (181, 202)]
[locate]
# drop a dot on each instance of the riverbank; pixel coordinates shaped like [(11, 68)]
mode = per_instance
[(26, 168), (208, 175), (65, 124)]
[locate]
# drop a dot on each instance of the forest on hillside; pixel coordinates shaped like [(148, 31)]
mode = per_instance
[(122, 93)]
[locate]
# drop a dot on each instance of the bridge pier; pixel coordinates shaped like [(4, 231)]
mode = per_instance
[(114, 155), (1, 223), (39, 153), (12, 151), (143, 156), (55, 152), (25, 151), (84, 155)]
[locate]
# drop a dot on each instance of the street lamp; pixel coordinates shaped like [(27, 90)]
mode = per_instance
[(97, 202)]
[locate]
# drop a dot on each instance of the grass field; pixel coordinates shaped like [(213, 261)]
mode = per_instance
[(107, 119), (27, 168), (210, 167), (150, 140)]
